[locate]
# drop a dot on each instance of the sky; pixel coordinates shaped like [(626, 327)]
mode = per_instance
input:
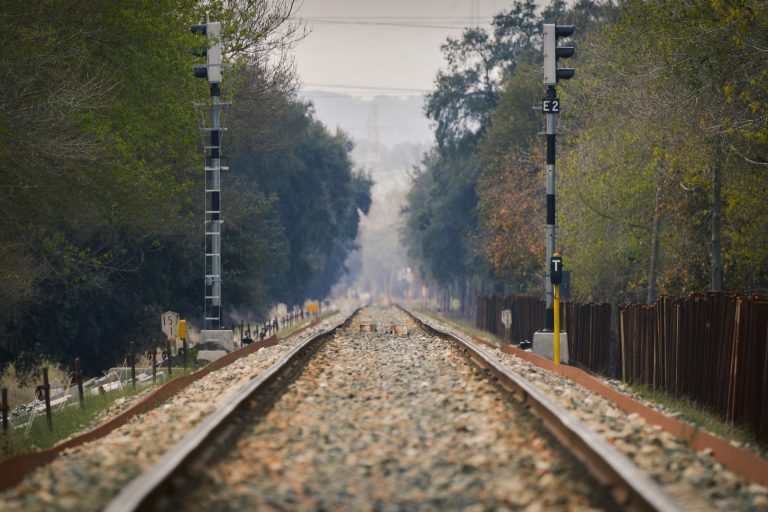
[(388, 47), (366, 65), (358, 50)]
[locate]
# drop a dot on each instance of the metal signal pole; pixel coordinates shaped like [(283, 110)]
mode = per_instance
[(211, 71), (213, 216), (549, 318), (546, 342), (551, 106)]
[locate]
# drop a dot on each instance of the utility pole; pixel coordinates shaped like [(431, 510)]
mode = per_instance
[(551, 107)]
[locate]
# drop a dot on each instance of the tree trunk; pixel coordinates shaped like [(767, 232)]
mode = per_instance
[(655, 233), (717, 263)]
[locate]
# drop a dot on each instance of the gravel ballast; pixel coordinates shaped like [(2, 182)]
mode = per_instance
[(696, 480), (383, 421), (379, 421), (87, 477)]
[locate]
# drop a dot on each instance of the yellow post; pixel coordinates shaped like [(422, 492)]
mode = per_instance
[(183, 329), (183, 336), (556, 306)]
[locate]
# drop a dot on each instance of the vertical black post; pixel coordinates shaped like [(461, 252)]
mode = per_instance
[(549, 316), (4, 407), (79, 380), (185, 348), (46, 388), (132, 360), (168, 349), (154, 365)]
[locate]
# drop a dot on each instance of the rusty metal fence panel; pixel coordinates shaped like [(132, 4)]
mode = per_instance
[(527, 316), (589, 334), (588, 326), (709, 347)]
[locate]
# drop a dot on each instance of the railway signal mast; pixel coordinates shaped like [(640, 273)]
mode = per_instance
[(543, 341), (212, 135)]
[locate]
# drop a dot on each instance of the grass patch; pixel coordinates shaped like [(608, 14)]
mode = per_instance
[(287, 331), (69, 420), (697, 415), (66, 422), (73, 419), (464, 326), (21, 389)]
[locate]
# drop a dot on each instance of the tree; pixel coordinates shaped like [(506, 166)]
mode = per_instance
[(100, 155), (707, 58), (318, 198), (467, 91), (511, 188), (440, 216)]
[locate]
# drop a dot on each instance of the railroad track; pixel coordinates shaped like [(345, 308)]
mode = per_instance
[(400, 417)]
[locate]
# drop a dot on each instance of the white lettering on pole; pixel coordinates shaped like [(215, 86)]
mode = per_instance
[(550, 106)]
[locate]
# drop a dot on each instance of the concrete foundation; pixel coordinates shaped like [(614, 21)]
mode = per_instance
[(223, 338), (210, 355), (544, 345)]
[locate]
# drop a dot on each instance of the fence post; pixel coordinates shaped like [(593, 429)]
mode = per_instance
[(168, 350), (46, 389), (132, 359), (79, 380), (4, 407), (623, 348), (154, 365)]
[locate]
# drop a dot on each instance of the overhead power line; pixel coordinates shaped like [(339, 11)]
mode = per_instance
[(368, 88), (438, 24), (420, 18)]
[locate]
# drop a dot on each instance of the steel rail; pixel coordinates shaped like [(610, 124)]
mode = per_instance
[(631, 488), (151, 489)]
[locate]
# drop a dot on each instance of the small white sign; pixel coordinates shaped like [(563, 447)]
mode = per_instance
[(550, 106), (169, 322), (506, 318)]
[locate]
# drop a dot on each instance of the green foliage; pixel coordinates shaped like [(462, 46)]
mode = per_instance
[(317, 200), (697, 415), (97, 153), (667, 95), (468, 90), (68, 421), (101, 173), (660, 113), (439, 217), (510, 186)]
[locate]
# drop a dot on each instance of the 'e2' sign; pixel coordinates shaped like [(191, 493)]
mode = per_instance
[(550, 106)]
